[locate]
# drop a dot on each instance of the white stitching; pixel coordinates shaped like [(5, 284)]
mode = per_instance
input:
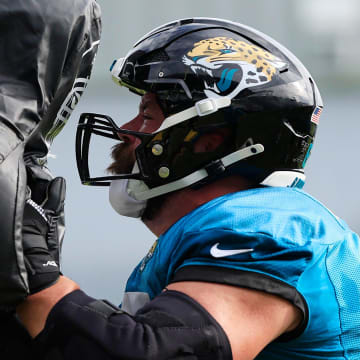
[(38, 208)]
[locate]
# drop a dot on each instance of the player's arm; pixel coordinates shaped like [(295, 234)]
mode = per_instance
[(251, 319), (207, 320), (172, 326)]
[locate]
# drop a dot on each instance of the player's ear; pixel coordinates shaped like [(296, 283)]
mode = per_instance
[(209, 142)]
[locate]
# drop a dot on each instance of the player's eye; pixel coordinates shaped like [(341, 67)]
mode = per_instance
[(147, 116)]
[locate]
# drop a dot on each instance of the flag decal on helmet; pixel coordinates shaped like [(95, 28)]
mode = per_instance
[(316, 115)]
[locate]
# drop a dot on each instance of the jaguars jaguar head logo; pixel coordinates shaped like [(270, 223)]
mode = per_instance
[(229, 66)]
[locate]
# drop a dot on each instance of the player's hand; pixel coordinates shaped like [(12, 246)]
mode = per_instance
[(42, 234)]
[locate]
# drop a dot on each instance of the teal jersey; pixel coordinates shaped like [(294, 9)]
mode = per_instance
[(277, 240)]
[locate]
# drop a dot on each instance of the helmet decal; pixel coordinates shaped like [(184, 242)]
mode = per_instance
[(238, 65)]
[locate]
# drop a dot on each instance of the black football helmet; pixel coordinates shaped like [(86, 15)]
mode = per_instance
[(209, 74)]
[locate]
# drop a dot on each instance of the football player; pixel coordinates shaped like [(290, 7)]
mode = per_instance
[(246, 265)]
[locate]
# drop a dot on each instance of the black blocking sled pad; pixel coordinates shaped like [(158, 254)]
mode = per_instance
[(47, 49)]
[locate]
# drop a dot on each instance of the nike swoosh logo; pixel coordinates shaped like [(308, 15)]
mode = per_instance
[(218, 253)]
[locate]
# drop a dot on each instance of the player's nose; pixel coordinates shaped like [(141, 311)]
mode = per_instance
[(132, 125)]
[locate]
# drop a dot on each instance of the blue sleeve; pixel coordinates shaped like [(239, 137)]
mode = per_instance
[(252, 260)]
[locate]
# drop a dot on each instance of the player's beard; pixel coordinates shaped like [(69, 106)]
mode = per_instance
[(123, 155), (124, 160)]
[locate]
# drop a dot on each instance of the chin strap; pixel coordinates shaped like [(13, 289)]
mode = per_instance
[(136, 187), (286, 178)]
